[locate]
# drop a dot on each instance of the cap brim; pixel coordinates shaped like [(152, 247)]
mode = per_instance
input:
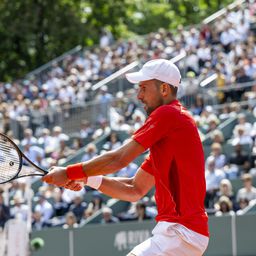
[(136, 77)]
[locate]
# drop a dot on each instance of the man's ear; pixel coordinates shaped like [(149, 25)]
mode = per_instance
[(165, 89)]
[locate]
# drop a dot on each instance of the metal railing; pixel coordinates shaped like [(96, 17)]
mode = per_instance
[(223, 11)]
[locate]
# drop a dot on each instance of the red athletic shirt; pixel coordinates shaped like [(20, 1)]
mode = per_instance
[(176, 161)]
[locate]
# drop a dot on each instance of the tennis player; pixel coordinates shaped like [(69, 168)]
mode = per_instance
[(175, 166)]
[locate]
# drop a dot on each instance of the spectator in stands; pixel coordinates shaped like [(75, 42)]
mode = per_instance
[(102, 130), (70, 221), (29, 139), (198, 108), (37, 222), (63, 152), (242, 203), (241, 137), (97, 202), (68, 195), (213, 178), (226, 189), (4, 211), (19, 209), (36, 117), (122, 125), (138, 119), (231, 171), (104, 99), (57, 135), (113, 142), (90, 152), (34, 153), (240, 158), (225, 207), (107, 216), (44, 140), (248, 191), (217, 137), (141, 213), (85, 130), (216, 153), (77, 207), (241, 119), (44, 207), (60, 207), (87, 213)]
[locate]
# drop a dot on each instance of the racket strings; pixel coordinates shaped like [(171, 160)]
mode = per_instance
[(9, 160)]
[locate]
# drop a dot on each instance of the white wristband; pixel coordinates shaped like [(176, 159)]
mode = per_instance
[(94, 181)]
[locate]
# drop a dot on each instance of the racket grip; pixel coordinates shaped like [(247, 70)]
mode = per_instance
[(75, 172)]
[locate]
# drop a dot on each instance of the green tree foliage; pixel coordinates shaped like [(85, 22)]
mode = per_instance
[(33, 32)]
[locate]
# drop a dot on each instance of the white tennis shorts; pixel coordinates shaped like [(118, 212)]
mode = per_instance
[(172, 239)]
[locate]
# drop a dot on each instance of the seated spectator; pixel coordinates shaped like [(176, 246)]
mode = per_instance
[(19, 209), (240, 158), (102, 130), (70, 221), (213, 178), (37, 221), (247, 127), (225, 207), (60, 207), (78, 207), (226, 190), (137, 211), (85, 130), (90, 152), (212, 123), (216, 153), (242, 203), (28, 138), (57, 135), (107, 216), (113, 142), (231, 171), (248, 191), (34, 153), (138, 120), (217, 137), (87, 213), (68, 195), (141, 213), (44, 207), (45, 138), (63, 152), (241, 137), (97, 202)]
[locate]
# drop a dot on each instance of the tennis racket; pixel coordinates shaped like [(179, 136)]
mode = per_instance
[(11, 162)]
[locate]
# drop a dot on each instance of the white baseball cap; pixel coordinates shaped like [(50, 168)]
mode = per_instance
[(160, 69)]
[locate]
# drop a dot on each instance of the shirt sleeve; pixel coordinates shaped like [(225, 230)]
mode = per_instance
[(156, 127), (147, 166)]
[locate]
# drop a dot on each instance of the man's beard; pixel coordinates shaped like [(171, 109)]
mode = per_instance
[(159, 103)]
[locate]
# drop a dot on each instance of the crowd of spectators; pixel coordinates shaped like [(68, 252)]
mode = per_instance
[(226, 48)]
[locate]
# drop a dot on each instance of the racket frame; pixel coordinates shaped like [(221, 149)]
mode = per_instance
[(21, 157)]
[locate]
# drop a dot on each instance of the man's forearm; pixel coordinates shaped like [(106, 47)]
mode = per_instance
[(120, 188), (114, 160)]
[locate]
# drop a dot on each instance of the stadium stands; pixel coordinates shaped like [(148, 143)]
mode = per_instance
[(56, 114)]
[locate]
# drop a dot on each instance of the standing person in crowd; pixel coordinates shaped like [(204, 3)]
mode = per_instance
[(175, 166)]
